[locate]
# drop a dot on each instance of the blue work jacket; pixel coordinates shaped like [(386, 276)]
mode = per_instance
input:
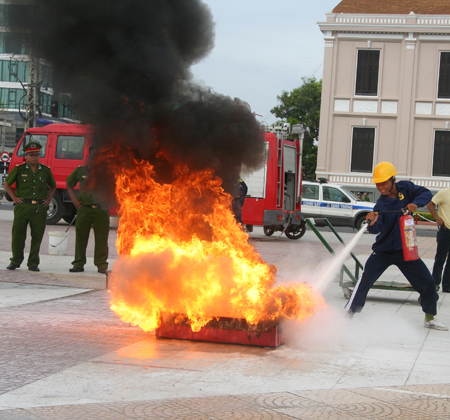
[(388, 225)]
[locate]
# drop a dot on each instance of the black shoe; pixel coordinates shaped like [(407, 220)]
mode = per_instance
[(76, 270), (34, 268), (102, 270), (12, 267)]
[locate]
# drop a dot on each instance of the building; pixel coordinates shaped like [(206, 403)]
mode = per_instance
[(386, 92), (16, 80)]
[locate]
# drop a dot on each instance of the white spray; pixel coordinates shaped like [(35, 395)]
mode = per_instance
[(331, 330), (332, 268)]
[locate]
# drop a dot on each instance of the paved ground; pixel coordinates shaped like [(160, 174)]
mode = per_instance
[(65, 355)]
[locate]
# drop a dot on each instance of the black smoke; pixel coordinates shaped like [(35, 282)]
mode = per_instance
[(126, 66)]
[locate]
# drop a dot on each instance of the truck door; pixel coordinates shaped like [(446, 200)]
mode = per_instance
[(311, 200), (290, 172), (69, 154)]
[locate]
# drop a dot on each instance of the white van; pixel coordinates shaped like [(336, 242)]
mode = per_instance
[(333, 202)]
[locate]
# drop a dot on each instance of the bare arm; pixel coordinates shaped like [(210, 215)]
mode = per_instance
[(73, 197), (432, 208), (48, 200), (372, 217)]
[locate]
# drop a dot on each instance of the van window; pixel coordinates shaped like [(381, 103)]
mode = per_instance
[(38, 138), (310, 192), (333, 194), (70, 147)]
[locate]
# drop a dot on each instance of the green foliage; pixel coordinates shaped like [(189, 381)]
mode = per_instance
[(302, 105)]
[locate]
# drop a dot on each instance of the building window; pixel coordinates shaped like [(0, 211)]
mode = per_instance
[(12, 94), (444, 76), (362, 149), (367, 72), (441, 158), (13, 43)]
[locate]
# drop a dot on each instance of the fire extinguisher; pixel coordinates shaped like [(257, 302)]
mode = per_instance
[(409, 238)]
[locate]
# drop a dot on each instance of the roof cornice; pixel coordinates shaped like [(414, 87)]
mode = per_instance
[(386, 23)]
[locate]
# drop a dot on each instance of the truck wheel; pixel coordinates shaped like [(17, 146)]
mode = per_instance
[(54, 211), (360, 222), (69, 218), (268, 231), (296, 231)]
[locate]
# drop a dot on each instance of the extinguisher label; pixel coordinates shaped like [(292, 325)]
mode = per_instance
[(409, 236), (409, 222)]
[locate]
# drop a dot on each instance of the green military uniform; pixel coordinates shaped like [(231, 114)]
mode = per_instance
[(32, 187), (90, 215)]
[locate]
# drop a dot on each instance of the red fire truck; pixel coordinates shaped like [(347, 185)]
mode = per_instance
[(64, 148), (274, 192)]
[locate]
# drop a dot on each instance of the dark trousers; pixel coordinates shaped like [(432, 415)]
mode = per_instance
[(26, 214), (441, 258), (416, 272), (98, 219)]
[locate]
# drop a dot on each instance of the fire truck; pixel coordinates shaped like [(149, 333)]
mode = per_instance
[(64, 148), (273, 199), (274, 191)]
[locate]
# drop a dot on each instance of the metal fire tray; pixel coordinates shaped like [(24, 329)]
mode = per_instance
[(222, 330)]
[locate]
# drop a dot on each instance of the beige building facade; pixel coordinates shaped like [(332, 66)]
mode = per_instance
[(386, 92)]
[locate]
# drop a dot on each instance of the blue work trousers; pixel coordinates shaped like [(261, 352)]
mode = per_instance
[(441, 259), (416, 272)]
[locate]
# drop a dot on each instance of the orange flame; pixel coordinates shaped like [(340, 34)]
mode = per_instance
[(181, 251)]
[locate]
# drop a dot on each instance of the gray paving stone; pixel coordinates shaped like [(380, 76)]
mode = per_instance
[(44, 339)]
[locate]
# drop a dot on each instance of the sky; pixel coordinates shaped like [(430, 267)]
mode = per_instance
[(262, 48)]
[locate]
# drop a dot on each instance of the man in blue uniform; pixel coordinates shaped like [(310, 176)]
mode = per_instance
[(388, 250), (31, 200)]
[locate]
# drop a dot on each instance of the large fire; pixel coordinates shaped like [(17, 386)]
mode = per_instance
[(182, 252)]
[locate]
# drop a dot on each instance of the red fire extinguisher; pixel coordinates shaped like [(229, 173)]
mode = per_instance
[(409, 238)]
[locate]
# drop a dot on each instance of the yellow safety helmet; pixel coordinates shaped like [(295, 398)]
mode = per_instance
[(383, 171)]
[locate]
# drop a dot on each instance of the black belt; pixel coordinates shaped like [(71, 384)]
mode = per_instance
[(91, 206), (33, 201)]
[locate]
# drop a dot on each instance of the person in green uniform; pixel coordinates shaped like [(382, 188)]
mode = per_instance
[(89, 214), (31, 200)]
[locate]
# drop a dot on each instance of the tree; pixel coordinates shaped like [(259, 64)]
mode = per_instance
[(302, 105)]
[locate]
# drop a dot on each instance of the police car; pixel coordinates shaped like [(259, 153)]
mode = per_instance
[(333, 202)]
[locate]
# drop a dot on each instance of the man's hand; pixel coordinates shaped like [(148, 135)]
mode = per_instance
[(77, 203), (46, 202), (411, 207), (372, 217), (17, 200)]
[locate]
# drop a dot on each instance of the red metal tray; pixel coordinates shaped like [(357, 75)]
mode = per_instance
[(222, 330)]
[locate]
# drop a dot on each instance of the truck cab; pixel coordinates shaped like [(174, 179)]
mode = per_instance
[(64, 148)]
